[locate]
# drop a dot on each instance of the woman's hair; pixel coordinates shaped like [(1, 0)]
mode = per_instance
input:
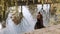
[(38, 12)]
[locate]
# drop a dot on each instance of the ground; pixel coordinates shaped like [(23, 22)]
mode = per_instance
[(55, 29)]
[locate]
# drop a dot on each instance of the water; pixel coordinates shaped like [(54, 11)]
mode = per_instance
[(27, 23), (45, 13)]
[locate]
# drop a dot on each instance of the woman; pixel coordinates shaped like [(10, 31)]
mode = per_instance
[(39, 23)]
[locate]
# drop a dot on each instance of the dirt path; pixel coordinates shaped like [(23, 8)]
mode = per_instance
[(49, 30)]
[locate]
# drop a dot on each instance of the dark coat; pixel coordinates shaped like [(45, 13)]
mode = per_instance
[(39, 23)]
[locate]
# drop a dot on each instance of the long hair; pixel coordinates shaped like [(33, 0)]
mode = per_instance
[(41, 17)]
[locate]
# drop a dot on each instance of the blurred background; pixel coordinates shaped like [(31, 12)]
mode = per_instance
[(26, 11)]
